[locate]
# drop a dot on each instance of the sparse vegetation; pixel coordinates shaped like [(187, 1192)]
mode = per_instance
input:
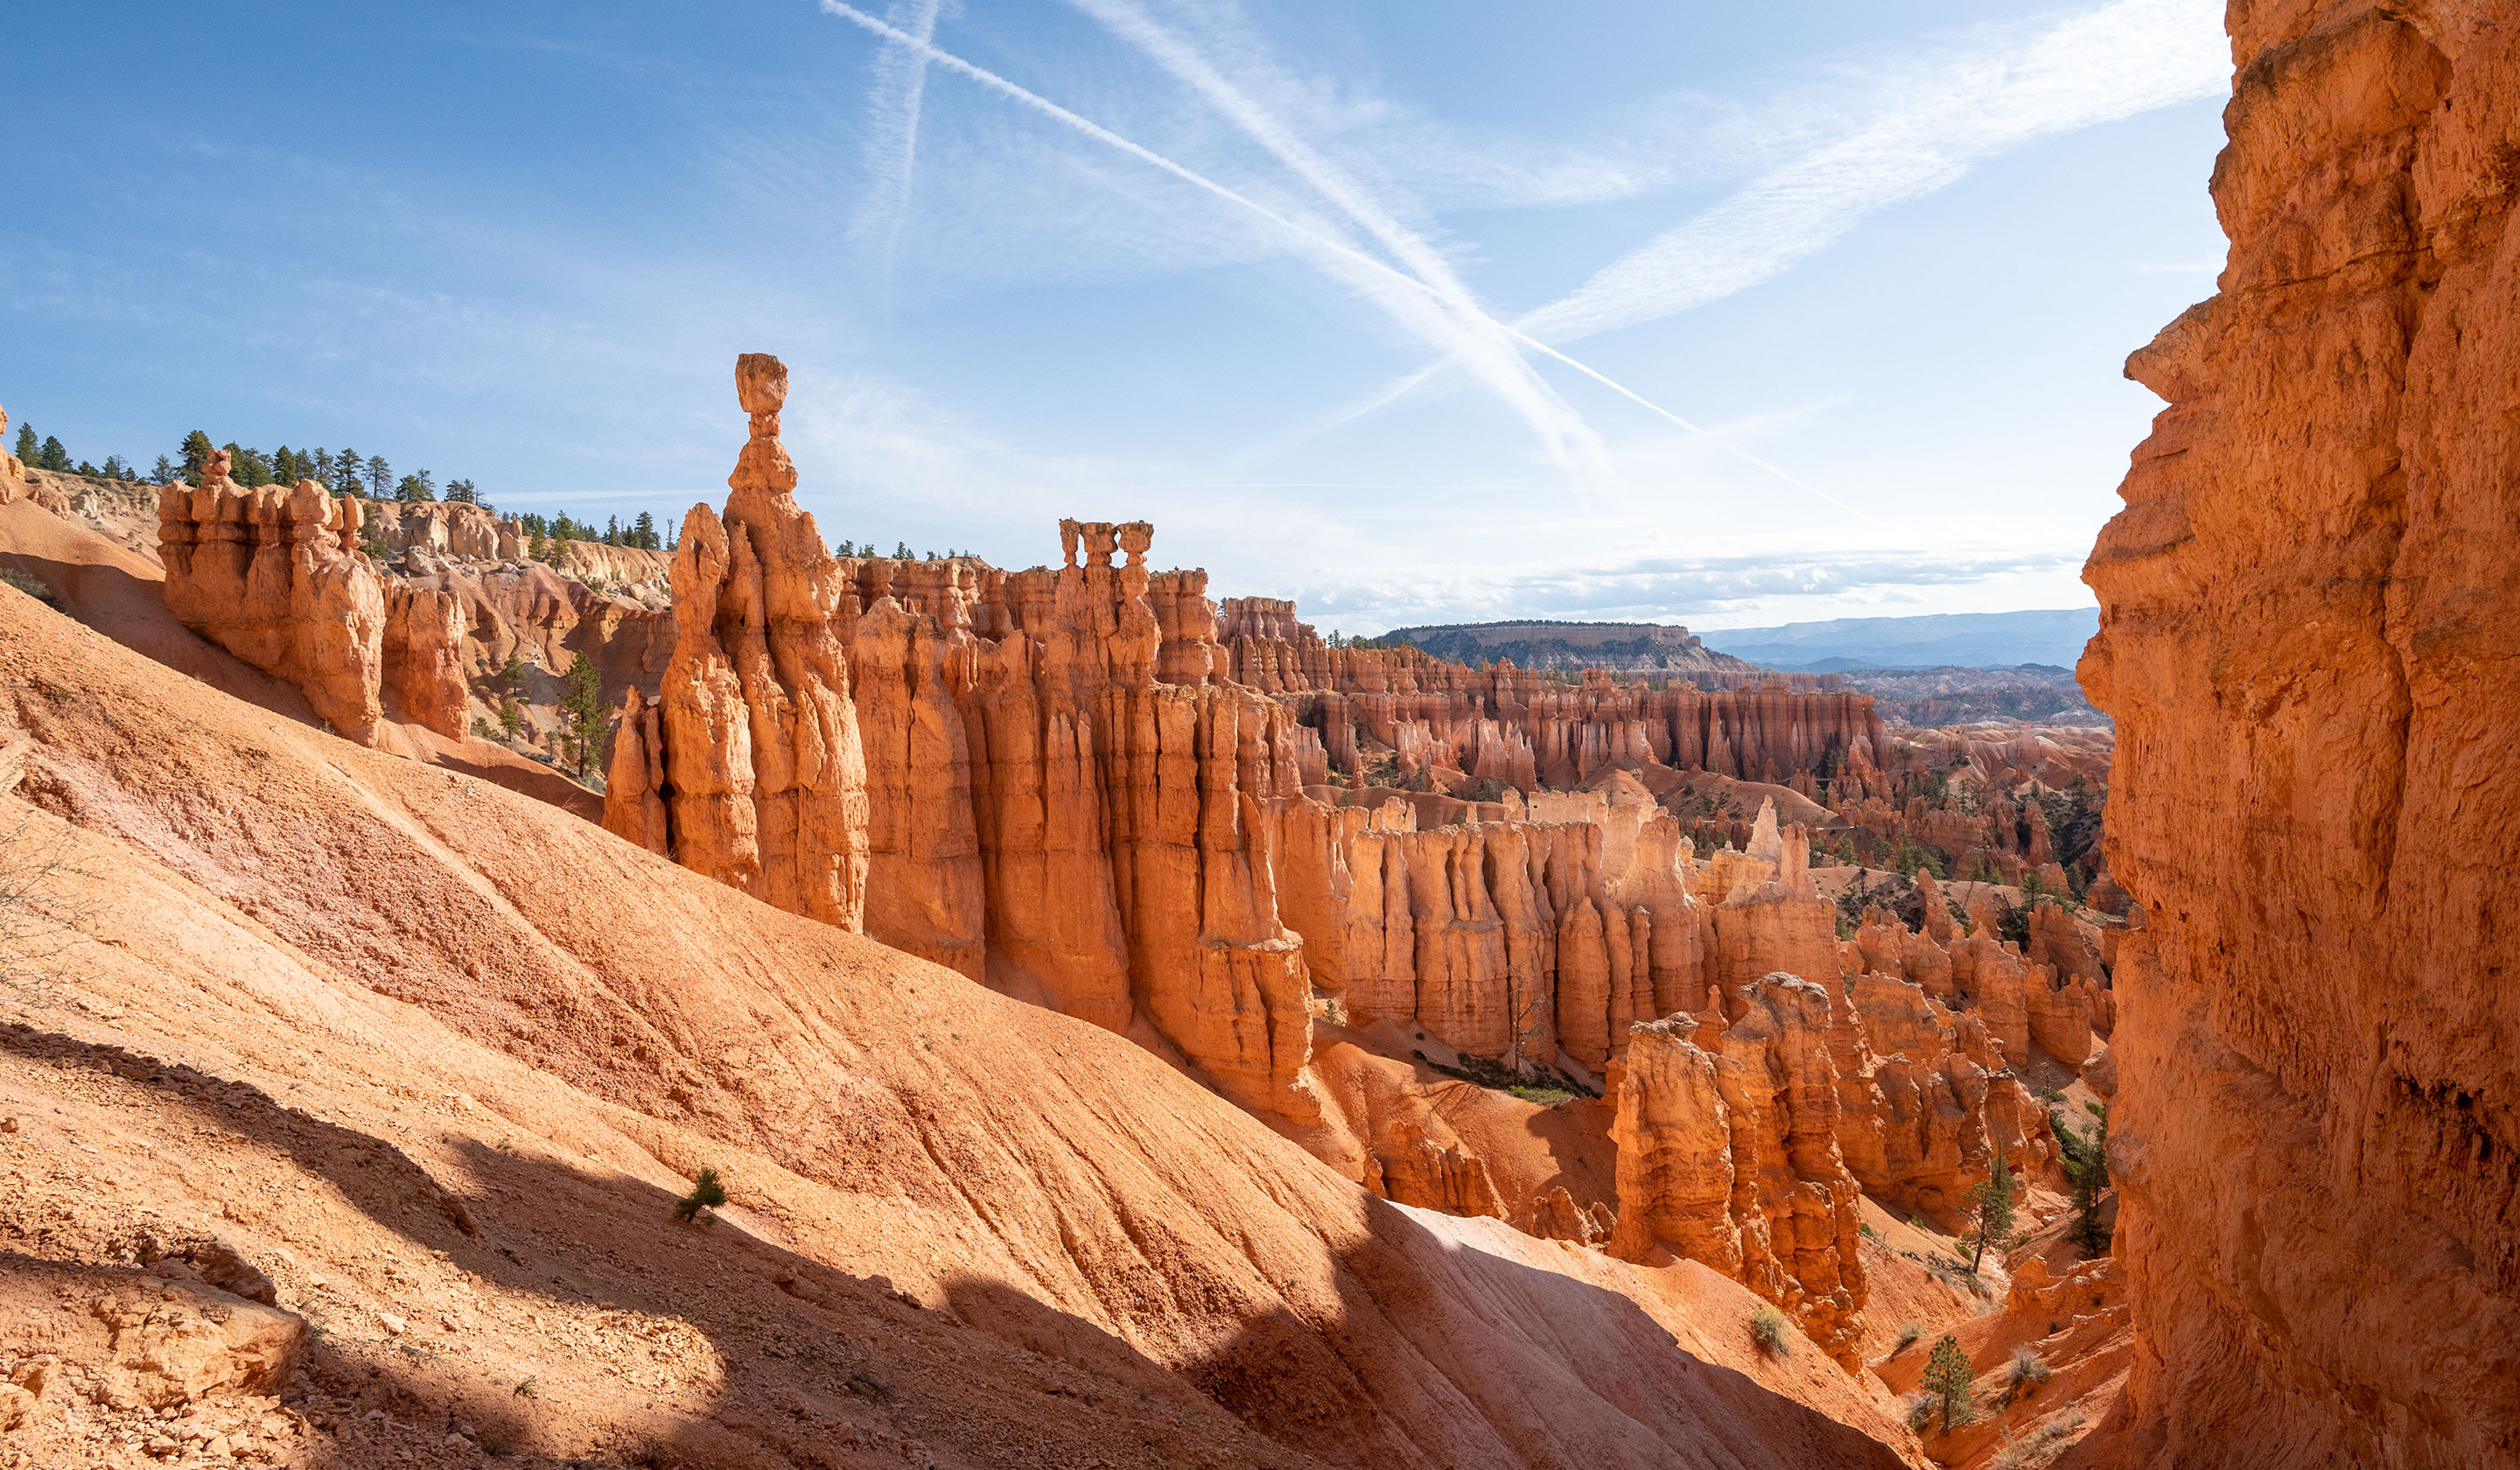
[(1768, 1329), (1946, 1378), (34, 932), (2085, 1162), (1920, 1411), (2029, 1371), (30, 584), (1908, 1331), (708, 1192), (1993, 1207)]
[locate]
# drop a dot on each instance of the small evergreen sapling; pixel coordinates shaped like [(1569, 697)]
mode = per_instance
[(707, 1194)]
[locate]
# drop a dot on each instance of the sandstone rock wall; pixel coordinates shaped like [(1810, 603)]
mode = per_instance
[(273, 575), (1526, 729), (2307, 635), (474, 532), (1729, 1156)]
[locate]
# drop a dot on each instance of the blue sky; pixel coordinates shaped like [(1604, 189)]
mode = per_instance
[(1413, 311)]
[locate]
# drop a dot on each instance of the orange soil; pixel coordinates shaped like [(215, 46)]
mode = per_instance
[(333, 1006)]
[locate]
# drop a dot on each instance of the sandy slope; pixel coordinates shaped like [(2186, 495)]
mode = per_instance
[(353, 988)]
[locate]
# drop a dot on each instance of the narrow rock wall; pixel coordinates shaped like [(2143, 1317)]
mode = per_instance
[(273, 575), (2307, 636)]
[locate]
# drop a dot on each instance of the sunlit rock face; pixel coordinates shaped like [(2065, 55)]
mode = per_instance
[(2307, 639)]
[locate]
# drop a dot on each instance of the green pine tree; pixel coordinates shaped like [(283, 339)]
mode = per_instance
[(31, 451), (53, 457), (1947, 1377), (1991, 1208), (2087, 1171), (643, 532), (582, 706)]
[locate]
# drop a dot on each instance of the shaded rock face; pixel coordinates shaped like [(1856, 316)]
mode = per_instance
[(1728, 1157), (2307, 624), (273, 575)]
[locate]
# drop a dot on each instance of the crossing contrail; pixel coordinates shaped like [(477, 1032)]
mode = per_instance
[(1323, 245)]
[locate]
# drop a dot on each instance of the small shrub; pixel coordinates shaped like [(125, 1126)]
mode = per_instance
[(1908, 1333), (1867, 1232), (707, 1194), (30, 584), (2029, 1369), (1334, 1011), (1768, 1329), (1920, 1411)]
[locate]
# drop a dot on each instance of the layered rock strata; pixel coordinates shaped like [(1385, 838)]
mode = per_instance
[(273, 575), (1526, 729), (757, 765), (1729, 1156), (2307, 639)]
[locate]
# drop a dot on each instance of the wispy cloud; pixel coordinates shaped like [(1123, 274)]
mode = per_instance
[(1654, 588), (1446, 319), (1940, 115), (1492, 354), (893, 106)]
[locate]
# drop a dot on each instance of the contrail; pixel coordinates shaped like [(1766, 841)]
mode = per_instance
[(2118, 58), (892, 143), (1492, 356), (1333, 248)]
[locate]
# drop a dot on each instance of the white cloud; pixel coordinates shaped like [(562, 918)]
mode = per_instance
[(1943, 114)]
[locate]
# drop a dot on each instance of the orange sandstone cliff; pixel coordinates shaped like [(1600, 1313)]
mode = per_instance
[(2307, 639)]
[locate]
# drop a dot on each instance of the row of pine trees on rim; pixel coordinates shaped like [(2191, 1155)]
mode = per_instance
[(343, 473)]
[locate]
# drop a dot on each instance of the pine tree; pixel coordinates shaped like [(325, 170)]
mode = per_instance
[(29, 451), (2086, 1171), (583, 708), (462, 493), (643, 532), (613, 530), (1947, 1377), (345, 473), (416, 490), (1991, 1208), (196, 450), (165, 473), (54, 456), (379, 476), (284, 466)]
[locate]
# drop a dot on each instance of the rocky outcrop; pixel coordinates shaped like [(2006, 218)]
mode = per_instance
[(1034, 805), (1728, 1157), (2305, 623), (273, 575), (1526, 729), (422, 659), (763, 774), (473, 532)]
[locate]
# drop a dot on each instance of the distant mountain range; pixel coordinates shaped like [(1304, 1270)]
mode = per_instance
[(1962, 639)]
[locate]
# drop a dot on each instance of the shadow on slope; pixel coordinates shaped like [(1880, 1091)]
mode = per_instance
[(889, 1114)]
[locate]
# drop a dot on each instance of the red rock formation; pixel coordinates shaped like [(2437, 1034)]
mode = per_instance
[(1730, 1158), (422, 666), (2305, 633), (1526, 729), (474, 532), (763, 777), (273, 575)]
